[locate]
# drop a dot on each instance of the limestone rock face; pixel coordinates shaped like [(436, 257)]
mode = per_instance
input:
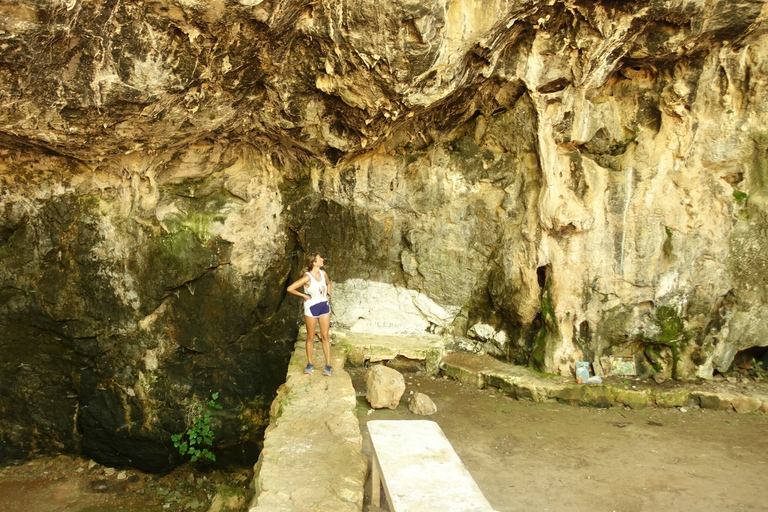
[(384, 387), (545, 182)]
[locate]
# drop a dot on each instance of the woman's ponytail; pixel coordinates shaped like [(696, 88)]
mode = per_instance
[(309, 261)]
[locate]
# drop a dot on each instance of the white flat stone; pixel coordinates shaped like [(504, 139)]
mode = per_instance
[(420, 470), (381, 347)]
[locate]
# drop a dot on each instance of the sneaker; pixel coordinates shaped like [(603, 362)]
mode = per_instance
[(327, 371), (309, 369)]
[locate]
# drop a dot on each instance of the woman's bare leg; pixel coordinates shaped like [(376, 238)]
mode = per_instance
[(325, 325), (311, 325)]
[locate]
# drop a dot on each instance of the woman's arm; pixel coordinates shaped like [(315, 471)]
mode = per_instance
[(328, 283), (293, 289)]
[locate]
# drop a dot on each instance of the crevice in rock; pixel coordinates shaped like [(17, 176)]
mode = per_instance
[(751, 362)]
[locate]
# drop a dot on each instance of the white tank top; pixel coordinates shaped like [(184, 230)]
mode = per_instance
[(317, 290)]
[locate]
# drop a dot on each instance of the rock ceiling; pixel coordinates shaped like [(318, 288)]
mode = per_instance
[(95, 79)]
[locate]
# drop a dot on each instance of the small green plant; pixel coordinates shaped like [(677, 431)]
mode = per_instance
[(740, 196), (758, 372), (199, 436)]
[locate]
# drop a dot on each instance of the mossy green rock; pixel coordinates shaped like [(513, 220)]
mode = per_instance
[(585, 394), (674, 398), (632, 398), (716, 401)]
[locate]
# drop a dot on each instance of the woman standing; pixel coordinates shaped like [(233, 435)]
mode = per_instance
[(316, 293)]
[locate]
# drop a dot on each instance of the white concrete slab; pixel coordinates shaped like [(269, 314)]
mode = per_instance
[(373, 347), (379, 347), (420, 470)]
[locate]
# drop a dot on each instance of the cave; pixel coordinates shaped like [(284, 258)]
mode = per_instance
[(535, 177)]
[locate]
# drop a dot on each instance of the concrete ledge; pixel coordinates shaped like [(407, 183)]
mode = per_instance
[(362, 347), (524, 384), (312, 458)]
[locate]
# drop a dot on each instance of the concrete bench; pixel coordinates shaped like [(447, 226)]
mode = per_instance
[(419, 469)]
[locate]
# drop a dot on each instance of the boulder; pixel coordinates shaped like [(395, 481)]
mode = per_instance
[(384, 387), (422, 404)]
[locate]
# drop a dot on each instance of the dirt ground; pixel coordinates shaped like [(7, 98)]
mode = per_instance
[(70, 484), (554, 457), (523, 456)]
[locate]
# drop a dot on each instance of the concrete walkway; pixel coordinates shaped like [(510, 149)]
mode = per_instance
[(312, 459)]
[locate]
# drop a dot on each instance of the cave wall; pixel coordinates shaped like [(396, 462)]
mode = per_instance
[(546, 182), (127, 303)]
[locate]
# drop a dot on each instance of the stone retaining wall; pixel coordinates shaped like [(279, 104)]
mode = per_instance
[(312, 458), (524, 384)]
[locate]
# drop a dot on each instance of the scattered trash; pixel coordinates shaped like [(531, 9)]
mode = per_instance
[(582, 374), (582, 371)]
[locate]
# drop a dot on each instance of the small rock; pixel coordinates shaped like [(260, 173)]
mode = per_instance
[(683, 409), (109, 471), (731, 380), (659, 377), (228, 499), (91, 465), (422, 404), (122, 475)]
